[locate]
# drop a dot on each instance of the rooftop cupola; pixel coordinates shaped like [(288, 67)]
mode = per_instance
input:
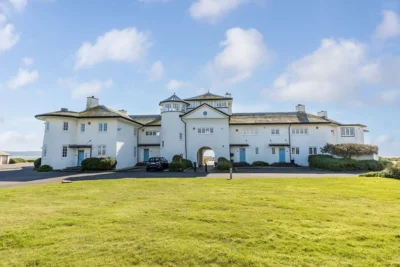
[(173, 103)]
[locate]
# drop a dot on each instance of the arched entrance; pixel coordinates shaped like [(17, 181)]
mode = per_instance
[(205, 155)]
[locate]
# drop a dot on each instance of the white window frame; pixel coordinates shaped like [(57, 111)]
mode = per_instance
[(47, 127), (103, 127), (348, 132), (299, 131), (275, 131), (162, 143), (257, 150), (273, 151), (65, 126), (135, 151), (312, 150), (64, 155), (180, 136), (44, 151), (101, 151), (205, 130), (250, 131), (83, 127), (295, 150)]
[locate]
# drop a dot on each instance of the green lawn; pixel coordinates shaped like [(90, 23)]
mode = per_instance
[(187, 222)]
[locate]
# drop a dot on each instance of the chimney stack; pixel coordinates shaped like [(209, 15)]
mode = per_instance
[(301, 108), (92, 102), (228, 95), (123, 111), (323, 114)]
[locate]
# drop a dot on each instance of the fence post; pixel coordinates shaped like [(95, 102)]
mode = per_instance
[(205, 167), (194, 166), (230, 173)]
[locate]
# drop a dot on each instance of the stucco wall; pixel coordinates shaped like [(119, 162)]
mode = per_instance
[(171, 126), (126, 141)]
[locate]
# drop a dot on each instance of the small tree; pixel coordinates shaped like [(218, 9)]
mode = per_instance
[(349, 150)]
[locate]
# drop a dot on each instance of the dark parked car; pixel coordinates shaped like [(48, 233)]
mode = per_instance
[(157, 163)]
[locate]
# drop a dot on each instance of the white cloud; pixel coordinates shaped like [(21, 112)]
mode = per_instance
[(213, 10), (385, 138), (16, 141), (8, 37), (127, 45), (389, 27), (19, 5), (85, 89), (243, 52), (156, 71), (333, 72), (23, 78), (390, 97), (27, 61), (174, 85)]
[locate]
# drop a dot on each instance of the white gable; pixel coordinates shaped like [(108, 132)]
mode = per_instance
[(206, 112)]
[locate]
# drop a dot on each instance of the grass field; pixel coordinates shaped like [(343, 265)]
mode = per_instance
[(189, 222)]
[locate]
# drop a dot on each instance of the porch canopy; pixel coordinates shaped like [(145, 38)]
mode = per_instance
[(279, 145), (80, 146)]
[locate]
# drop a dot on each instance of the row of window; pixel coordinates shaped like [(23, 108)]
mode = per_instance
[(150, 133), (103, 127), (296, 150), (215, 104), (205, 130)]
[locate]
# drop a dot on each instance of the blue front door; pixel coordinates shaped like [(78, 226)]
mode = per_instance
[(242, 155), (282, 155), (81, 156), (146, 154)]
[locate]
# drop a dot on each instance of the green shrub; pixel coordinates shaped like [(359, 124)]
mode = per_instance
[(390, 172), (37, 163), (30, 160), (222, 160), (44, 168), (349, 150), (224, 166), (99, 164), (330, 163), (176, 166), (260, 163), (16, 160), (177, 158), (187, 163), (386, 162)]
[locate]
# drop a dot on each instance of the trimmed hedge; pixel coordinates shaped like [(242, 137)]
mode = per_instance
[(44, 168), (260, 163), (330, 163), (177, 158), (99, 164), (187, 163), (390, 172), (37, 163), (176, 166), (222, 160), (224, 166), (16, 160)]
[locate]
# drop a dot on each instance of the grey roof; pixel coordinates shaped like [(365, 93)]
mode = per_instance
[(2, 153), (174, 98), (208, 96), (281, 118), (100, 111), (148, 120)]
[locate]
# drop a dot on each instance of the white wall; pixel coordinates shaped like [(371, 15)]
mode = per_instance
[(153, 152), (1, 159), (126, 141), (171, 126)]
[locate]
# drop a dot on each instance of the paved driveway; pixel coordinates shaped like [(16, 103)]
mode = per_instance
[(23, 174)]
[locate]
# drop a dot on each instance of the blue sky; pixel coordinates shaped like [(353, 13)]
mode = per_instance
[(338, 56)]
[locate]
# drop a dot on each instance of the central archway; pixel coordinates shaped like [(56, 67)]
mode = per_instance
[(205, 155)]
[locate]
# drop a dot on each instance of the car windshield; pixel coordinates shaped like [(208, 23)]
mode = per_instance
[(154, 159)]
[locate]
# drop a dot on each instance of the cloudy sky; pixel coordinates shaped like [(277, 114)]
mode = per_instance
[(338, 56)]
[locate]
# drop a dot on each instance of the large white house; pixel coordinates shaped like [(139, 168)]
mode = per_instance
[(189, 127)]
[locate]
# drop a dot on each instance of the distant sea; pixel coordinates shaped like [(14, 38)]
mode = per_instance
[(25, 154)]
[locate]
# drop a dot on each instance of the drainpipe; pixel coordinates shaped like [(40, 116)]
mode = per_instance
[(185, 139), (290, 146), (137, 144)]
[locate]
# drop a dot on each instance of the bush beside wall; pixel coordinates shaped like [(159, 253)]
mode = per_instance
[(44, 168), (330, 163), (224, 166), (99, 164), (37, 163), (260, 163), (176, 166), (16, 160)]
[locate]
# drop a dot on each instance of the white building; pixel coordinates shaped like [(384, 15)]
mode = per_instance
[(189, 127)]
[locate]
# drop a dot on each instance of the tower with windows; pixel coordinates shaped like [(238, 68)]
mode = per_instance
[(173, 129)]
